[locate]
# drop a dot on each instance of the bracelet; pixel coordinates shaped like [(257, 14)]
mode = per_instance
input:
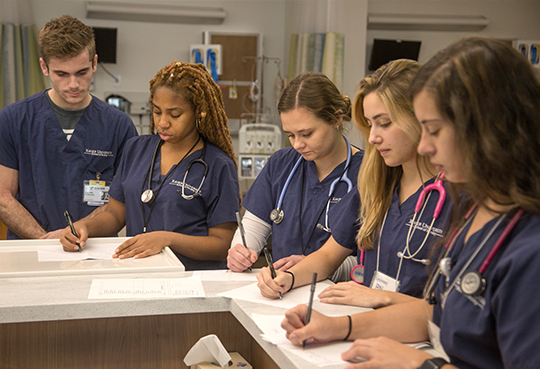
[(292, 284), (350, 328)]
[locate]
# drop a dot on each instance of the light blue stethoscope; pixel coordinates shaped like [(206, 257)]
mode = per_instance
[(276, 215)]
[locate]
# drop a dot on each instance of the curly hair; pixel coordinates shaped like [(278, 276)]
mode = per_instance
[(65, 37), (491, 96), (376, 180), (316, 93), (196, 86)]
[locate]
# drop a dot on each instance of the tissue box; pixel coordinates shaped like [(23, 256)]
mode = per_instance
[(237, 359)]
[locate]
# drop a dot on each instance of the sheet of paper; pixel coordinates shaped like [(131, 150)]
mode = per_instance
[(227, 275), (291, 299), (91, 250), (146, 288), (317, 354)]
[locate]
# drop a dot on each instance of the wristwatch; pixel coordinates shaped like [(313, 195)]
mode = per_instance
[(434, 363)]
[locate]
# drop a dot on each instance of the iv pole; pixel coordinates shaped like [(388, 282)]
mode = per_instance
[(262, 60)]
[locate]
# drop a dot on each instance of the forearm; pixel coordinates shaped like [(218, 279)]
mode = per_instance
[(405, 322), (18, 219), (392, 298), (257, 232), (199, 247), (323, 261), (101, 223), (211, 247)]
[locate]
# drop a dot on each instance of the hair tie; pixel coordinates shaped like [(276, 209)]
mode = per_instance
[(292, 284), (350, 328)]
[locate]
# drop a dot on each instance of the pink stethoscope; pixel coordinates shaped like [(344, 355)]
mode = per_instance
[(357, 273), (470, 282)]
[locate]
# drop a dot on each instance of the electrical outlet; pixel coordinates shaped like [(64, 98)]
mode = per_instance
[(117, 81)]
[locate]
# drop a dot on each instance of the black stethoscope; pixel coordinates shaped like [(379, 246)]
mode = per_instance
[(471, 282), (148, 195)]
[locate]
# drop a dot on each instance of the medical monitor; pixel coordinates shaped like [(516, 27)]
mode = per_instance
[(105, 44), (384, 51)]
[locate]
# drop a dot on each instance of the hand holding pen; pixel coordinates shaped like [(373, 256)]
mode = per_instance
[(271, 266), (70, 222), (242, 233)]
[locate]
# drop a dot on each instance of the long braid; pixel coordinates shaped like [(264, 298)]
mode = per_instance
[(195, 84)]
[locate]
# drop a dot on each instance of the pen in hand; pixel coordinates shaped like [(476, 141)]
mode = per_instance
[(242, 232), (271, 266), (70, 222), (310, 306)]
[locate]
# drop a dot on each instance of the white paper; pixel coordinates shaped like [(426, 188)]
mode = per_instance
[(294, 297), (227, 275), (146, 288), (208, 349), (91, 250), (317, 354)]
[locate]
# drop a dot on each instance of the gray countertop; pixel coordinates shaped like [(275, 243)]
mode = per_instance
[(49, 298)]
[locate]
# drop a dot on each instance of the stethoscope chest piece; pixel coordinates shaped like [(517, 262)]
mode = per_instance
[(147, 196), (472, 283), (276, 215)]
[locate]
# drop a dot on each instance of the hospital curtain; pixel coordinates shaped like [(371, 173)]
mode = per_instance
[(19, 63), (317, 52)]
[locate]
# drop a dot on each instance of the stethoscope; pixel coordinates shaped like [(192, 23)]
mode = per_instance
[(357, 273), (471, 282), (148, 195), (276, 215)]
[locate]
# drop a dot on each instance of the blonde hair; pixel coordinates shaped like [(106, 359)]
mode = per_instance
[(196, 86), (376, 180)]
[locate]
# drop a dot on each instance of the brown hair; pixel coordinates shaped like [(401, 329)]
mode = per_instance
[(316, 93), (376, 180), (489, 93), (65, 37), (196, 86)]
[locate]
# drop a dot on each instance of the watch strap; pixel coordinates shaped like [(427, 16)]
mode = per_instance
[(433, 363)]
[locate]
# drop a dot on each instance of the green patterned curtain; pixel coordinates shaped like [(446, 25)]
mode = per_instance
[(20, 73)]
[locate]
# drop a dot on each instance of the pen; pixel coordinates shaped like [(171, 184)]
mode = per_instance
[(70, 222), (242, 232), (271, 266), (310, 306)]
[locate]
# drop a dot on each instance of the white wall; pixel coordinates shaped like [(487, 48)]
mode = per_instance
[(144, 48), (509, 19)]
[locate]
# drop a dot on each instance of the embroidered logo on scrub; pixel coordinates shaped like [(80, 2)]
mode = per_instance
[(98, 153)]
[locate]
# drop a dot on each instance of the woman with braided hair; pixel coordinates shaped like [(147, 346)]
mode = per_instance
[(179, 187)]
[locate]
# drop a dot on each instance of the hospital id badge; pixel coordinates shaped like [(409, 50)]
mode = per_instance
[(381, 281), (96, 193), (435, 339)]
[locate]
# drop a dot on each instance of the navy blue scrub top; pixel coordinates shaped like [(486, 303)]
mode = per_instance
[(265, 191), (499, 328), (218, 203), (413, 275), (52, 170)]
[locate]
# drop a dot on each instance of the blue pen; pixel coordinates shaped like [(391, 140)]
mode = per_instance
[(70, 222)]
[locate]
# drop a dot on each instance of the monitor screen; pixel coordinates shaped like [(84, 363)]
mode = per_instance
[(387, 50), (105, 44)]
